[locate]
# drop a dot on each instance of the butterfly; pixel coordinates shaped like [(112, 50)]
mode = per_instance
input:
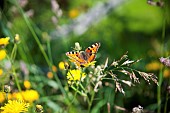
[(84, 58)]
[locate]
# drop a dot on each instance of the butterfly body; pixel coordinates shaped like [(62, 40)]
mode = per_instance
[(82, 58)]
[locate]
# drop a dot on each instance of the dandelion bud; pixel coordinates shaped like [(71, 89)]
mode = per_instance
[(7, 89), (39, 109), (77, 46), (50, 75), (17, 39), (27, 84), (61, 65), (54, 68)]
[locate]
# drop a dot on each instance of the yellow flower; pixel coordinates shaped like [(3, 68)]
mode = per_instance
[(75, 75), (73, 13), (50, 75), (15, 106), (17, 95), (2, 97), (166, 73), (1, 72), (61, 65), (4, 41), (153, 66), (2, 54), (54, 68), (30, 95), (27, 84)]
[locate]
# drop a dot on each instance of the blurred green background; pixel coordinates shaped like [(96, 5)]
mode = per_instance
[(133, 26)]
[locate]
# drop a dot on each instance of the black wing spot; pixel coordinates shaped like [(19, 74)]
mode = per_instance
[(82, 66)]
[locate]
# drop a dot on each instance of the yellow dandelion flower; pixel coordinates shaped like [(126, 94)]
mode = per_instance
[(1, 72), (30, 95), (2, 54), (75, 75), (4, 41), (2, 97), (27, 84), (166, 73), (17, 95), (153, 66), (50, 75), (15, 106), (54, 68), (61, 65), (73, 13)]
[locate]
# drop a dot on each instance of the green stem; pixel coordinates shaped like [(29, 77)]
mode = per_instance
[(12, 58), (82, 94), (82, 87), (13, 54), (49, 50), (159, 91), (91, 101), (167, 97), (161, 70), (16, 80), (75, 94)]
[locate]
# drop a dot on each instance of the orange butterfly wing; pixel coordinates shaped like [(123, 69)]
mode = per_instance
[(75, 57), (91, 51)]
